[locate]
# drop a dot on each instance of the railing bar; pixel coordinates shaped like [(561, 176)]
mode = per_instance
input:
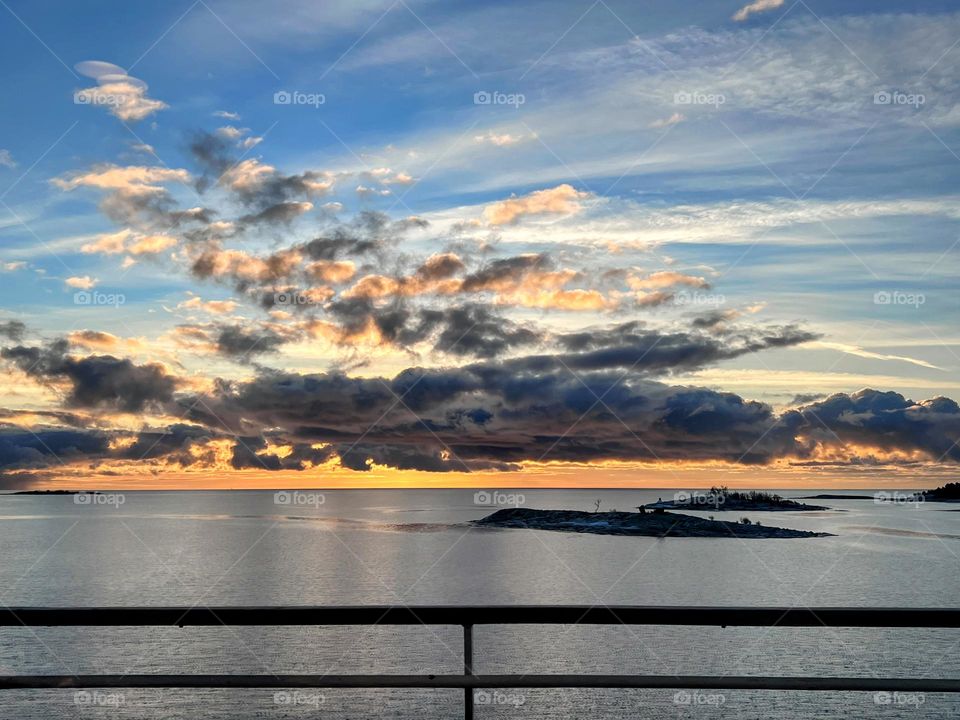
[(488, 615), (701, 682), (468, 671)]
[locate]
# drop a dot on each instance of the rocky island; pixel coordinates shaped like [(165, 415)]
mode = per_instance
[(649, 524), (720, 499)]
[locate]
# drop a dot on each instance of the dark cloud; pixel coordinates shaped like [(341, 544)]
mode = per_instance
[(241, 342), (49, 447), (281, 213), (485, 416), (13, 330), (215, 156), (632, 346), (474, 330), (884, 420), (505, 271), (806, 398), (97, 381)]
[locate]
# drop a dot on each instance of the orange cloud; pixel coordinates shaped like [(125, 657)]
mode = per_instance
[(563, 199)]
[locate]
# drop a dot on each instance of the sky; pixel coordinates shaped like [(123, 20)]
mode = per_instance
[(482, 244)]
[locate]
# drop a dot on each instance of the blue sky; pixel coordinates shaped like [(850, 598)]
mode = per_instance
[(779, 165)]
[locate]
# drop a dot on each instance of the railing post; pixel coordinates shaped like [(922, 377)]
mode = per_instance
[(468, 670)]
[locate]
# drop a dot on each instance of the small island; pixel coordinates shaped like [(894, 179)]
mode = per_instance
[(649, 524), (838, 496), (722, 499), (49, 492)]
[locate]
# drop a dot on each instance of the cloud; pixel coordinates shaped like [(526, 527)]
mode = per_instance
[(256, 184), (100, 381), (13, 266), (6, 159), (134, 194), (368, 192), (214, 307), (486, 415), (127, 241), (84, 282), (665, 279), (47, 447), (124, 96), (13, 330), (241, 342), (861, 352), (282, 213), (232, 133), (131, 179), (97, 340), (562, 199), (674, 119), (586, 404), (502, 139), (226, 115), (758, 6)]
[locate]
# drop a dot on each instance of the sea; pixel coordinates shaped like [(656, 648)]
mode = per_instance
[(413, 547)]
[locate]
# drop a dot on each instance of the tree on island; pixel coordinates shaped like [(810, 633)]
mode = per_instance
[(950, 491)]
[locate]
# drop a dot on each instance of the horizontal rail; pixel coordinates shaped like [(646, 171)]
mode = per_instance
[(484, 615), (467, 617), (692, 682)]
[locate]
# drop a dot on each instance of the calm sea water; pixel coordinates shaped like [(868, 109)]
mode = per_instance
[(414, 547)]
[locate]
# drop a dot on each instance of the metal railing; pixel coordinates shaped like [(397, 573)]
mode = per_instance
[(469, 616)]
